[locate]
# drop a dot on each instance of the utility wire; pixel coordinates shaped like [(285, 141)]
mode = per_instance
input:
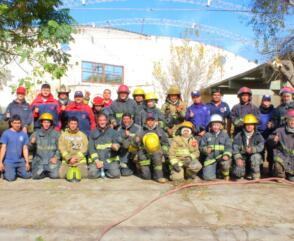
[(162, 9)]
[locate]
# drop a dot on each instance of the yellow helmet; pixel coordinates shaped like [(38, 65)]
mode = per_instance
[(184, 124), (151, 96), (151, 142), (138, 91), (46, 116), (63, 89), (250, 119), (187, 124), (174, 90)]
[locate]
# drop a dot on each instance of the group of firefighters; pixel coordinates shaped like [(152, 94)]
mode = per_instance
[(74, 140)]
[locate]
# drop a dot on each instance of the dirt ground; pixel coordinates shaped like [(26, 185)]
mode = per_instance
[(57, 210)]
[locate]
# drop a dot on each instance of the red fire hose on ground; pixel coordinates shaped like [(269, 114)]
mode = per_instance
[(181, 187)]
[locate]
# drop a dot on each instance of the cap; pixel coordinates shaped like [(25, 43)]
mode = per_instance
[(195, 93), (266, 97), (79, 94), (21, 90), (150, 115)]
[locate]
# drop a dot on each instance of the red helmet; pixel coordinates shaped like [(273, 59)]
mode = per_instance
[(98, 101), (244, 90), (21, 90), (290, 114), (286, 90), (123, 89)]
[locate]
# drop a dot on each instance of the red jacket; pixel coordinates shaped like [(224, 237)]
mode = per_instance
[(49, 105), (108, 104), (84, 114)]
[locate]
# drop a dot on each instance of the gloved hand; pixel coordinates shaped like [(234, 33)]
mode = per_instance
[(188, 160), (165, 150), (177, 168), (126, 143), (239, 122), (239, 163)]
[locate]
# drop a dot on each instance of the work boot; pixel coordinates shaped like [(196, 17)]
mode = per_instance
[(161, 180), (290, 178), (195, 178), (126, 172), (249, 177), (238, 179), (227, 178), (256, 176)]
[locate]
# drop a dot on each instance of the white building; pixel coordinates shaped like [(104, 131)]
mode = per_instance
[(106, 57)]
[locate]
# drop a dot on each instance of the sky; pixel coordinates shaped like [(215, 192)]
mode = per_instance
[(175, 18)]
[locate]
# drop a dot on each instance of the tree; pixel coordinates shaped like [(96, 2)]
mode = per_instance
[(190, 67), (34, 31), (268, 22)]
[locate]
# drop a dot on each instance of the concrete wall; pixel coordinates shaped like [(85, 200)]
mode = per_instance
[(136, 52)]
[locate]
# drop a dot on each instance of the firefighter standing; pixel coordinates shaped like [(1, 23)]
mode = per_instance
[(20, 107), (45, 103), (63, 100), (150, 107), (287, 103), (198, 114), (139, 96), (243, 108), (217, 106), (266, 127), (123, 104), (173, 109), (82, 112)]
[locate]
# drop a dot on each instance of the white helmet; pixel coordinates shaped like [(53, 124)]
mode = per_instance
[(216, 118)]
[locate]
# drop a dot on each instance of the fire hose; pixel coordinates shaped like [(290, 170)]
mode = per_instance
[(185, 186)]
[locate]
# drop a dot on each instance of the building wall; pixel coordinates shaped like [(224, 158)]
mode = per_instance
[(136, 52)]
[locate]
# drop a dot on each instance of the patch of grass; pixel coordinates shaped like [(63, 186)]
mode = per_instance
[(219, 215), (40, 238)]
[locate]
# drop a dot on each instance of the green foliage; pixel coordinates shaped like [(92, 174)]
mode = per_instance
[(40, 238), (268, 22), (34, 31)]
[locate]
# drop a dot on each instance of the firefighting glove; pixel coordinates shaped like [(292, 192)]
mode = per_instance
[(126, 143), (165, 150), (188, 160), (238, 122), (176, 167)]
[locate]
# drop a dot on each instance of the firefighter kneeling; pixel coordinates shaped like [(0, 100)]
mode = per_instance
[(282, 140), (151, 153), (247, 148), (184, 154), (216, 146)]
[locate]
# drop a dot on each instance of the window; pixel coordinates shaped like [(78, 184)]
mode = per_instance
[(102, 73)]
